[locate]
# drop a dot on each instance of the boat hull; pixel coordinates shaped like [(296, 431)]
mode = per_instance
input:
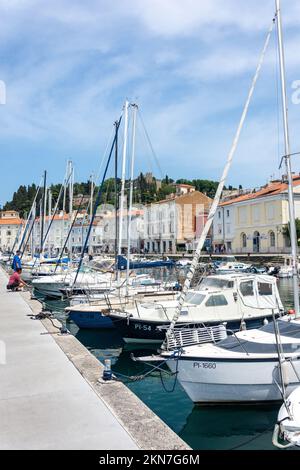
[(218, 381), (137, 330), (91, 320), (50, 290)]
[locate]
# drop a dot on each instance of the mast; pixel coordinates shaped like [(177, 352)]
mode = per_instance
[(49, 217), (33, 231), (122, 199), (92, 195), (97, 202), (43, 212), (116, 193), (134, 106), (71, 188), (287, 157), (91, 209)]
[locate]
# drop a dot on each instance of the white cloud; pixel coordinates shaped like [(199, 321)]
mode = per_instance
[(188, 63)]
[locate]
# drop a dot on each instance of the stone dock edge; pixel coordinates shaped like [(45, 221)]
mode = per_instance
[(147, 430)]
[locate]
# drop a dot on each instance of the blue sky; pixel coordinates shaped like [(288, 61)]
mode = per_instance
[(69, 65)]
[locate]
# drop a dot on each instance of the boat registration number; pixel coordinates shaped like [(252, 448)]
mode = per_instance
[(140, 327), (205, 365)]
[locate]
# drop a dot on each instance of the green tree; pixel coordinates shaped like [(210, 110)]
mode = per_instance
[(286, 231)]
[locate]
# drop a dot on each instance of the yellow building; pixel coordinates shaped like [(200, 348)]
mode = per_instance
[(255, 222)]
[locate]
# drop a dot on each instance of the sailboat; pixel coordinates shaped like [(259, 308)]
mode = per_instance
[(261, 365)]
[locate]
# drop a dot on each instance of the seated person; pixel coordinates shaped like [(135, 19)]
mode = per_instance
[(15, 281)]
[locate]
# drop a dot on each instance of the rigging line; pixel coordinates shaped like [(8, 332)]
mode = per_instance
[(218, 194), (148, 153), (277, 93), (97, 178), (60, 194), (30, 214), (69, 234), (149, 142), (99, 195), (56, 208)]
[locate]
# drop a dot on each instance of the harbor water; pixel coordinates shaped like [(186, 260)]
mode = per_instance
[(203, 428)]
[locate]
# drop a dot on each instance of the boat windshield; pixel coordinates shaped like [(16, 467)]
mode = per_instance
[(194, 298), (214, 282)]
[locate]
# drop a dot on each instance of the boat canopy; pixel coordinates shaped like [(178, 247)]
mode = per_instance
[(260, 292)]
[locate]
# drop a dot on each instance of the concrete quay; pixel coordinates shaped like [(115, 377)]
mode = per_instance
[(52, 395)]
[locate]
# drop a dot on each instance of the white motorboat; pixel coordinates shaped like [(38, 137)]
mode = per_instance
[(287, 429), (30, 272), (232, 267), (239, 300), (285, 272), (52, 286), (95, 313), (242, 368)]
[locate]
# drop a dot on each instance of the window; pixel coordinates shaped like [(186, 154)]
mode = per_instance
[(264, 288), (246, 288), (272, 239), (215, 282), (256, 213), (219, 213), (194, 298), (244, 240), (228, 213), (216, 301)]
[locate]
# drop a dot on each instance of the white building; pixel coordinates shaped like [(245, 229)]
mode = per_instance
[(80, 232), (57, 234), (256, 222), (224, 228), (108, 223), (175, 223), (10, 227)]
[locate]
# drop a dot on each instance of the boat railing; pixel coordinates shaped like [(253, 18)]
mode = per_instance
[(187, 336), (233, 333), (155, 306)]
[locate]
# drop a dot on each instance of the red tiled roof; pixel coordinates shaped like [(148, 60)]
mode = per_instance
[(193, 194), (56, 217), (271, 189), (12, 221)]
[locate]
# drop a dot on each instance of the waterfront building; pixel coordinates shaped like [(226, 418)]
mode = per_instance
[(57, 233), (256, 222), (176, 223), (10, 226), (108, 224), (80, 230), (103, 232)]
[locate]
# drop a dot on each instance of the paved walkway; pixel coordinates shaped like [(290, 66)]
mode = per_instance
[(44, 401)]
